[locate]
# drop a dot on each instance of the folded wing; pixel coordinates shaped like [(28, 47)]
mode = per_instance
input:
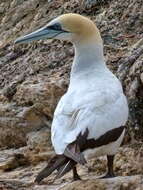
[(97, 118)]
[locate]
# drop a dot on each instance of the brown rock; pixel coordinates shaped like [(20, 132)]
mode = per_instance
[(13, 162), (43, 94), (12, 132), (39, 146), (33, 109), (15, 124), (125, 183), (89, 4)]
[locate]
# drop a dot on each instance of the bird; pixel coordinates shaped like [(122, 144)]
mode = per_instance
[(89, 120)]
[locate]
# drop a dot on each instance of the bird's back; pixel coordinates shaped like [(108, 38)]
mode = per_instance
[(95, 102)]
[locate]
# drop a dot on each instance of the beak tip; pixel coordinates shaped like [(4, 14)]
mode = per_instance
[(17, 41)]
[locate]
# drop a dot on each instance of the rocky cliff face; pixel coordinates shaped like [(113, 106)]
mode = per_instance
[(34, 76)]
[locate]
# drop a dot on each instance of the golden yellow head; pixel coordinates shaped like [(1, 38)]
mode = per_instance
[(72, 27), (82, 28)]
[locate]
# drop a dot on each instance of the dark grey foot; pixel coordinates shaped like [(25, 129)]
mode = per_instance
[(108, 175), (76, 178), (75, 174)]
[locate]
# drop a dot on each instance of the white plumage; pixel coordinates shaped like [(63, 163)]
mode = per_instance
[(90, 117), (94, 101)]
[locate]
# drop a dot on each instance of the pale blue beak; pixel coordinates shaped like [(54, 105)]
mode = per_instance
[(43, 33)]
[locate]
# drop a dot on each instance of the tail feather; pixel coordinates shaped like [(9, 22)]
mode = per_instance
[(55, 163), (63, 163), (65, 168), (72, 151)]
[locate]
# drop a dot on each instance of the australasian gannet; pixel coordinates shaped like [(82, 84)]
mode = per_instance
[(89, 119)]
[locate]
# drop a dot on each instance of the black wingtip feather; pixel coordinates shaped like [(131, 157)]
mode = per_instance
[(69, 165), (55, 163)]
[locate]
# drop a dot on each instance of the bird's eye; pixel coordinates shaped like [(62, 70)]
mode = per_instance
[(56, 26)]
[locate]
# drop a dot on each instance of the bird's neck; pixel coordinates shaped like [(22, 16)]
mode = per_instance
[(88, 58)]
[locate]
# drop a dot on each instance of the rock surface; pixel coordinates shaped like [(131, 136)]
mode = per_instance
[(18, 169), (133, 182), (34, 76)]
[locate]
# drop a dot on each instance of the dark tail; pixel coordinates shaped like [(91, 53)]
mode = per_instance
[(58, 162), (63, 163), (65, 168)]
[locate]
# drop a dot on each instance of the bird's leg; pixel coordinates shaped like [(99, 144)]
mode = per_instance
[(75, 174), (110, 172)]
